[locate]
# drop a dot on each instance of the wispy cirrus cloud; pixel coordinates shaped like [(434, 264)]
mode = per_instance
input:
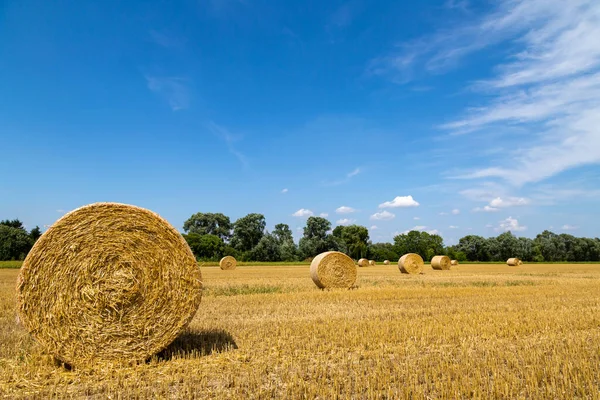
[(230, 140), (547, 86), (173, 89), (346, 179)]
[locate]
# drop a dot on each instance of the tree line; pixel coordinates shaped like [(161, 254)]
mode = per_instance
[(213, 235)]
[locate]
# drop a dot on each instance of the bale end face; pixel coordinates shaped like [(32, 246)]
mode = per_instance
[(386, 262), (514, 262), (333, 269), (372, 262), (441, 263), (228, 263), (411, 263), (453, 262), (108, 283)]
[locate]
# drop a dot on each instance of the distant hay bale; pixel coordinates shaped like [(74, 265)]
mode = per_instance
[(441, 263), (386, 262), (228, 263), (363, 262), (514, 262), (372, 262), (333, 269), (453, 262), (108, 283), (411, 263)]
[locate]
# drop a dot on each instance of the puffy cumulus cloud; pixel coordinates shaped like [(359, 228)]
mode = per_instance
[(345, 221), (510, 224), (383, 216), (323, 215), (374, 227), (453, 227), (400, 201), (284, 190), (345, 210), (486, 209), (303, 212), (499, 202), (567, 227), (456, 211)]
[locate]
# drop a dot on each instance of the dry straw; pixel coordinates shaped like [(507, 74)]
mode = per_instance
[(333, 269), (514, 262), (453, 262), (371, 262), (386, 262), (363, 262), (108, 283), (441, 263), (411, 263), (228, 263)]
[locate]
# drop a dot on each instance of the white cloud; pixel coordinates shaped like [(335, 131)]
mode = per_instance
[(453, 227), (229, 139), (302, 213), (345, 221), (547, 86), (374, 227), (60, 211), (489, 226), (510, 224), (433, 232), (486, 209), (347, 179), (416, 218), (443, 213), (345, 210), (400, 201), (383, 216), (323, 215), (568, 227), (456, 211), (284, 191), (508, 202), (355, 172), (173, 89)]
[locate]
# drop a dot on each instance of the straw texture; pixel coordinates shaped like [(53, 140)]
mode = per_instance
[(411, 263), (108, 283), (333, 269), (371, 262), (453, 262), (228, 263), (441, 263), (386, 262), (514, 262), (363, 262)]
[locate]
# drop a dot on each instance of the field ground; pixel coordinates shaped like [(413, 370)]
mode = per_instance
[(478, 331)]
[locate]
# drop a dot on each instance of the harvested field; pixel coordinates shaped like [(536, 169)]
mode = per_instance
[(484, 331)]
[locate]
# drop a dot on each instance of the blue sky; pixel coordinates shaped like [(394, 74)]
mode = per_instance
[(450, 116)]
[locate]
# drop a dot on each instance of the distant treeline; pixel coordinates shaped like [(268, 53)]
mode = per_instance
[(213, 235)]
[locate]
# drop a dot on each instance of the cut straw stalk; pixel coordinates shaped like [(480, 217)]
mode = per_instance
[(411, 263), (228, 263), (333, 269), (108, 283), (441, 263)]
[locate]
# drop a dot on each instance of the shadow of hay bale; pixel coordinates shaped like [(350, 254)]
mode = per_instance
[(192, 344)]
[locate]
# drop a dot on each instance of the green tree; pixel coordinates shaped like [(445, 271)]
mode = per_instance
[(422, 243), (285, 239), (317, 240), (15, 223), (383, 251), (35, 234), (355, 239), (247, 232), (205, 247), (475, 247), (267, 249), (15, 243), (209, 224)]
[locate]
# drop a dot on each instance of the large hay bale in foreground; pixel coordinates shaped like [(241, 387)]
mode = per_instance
[(228, 263), (441, 263), (514, 262), (363, 262), (108, 283), (411, 263), (333, 269), (372, 262), (453, 262), (386, 262)]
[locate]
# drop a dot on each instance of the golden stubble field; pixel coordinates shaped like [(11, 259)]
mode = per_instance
[(477, 331)]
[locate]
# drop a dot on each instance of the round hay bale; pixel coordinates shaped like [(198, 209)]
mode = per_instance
[(108, 283), (453, 262), (372, 262), (228, 263), (363, 262), (386, 262), (441, 263), (514, 262), (411, 263), (333, 269)]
